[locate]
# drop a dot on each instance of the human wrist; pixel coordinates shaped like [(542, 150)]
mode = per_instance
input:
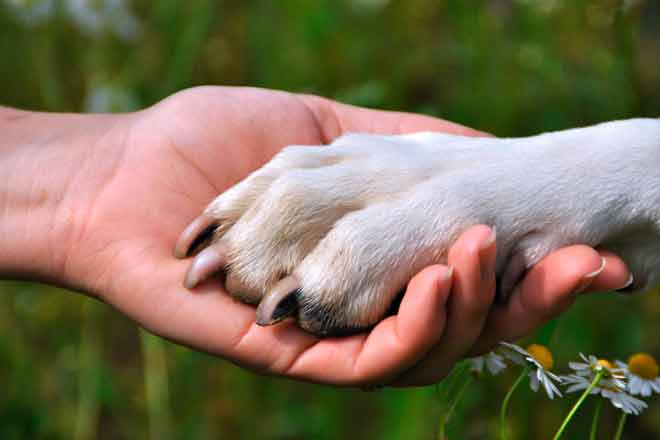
[(42, 156)]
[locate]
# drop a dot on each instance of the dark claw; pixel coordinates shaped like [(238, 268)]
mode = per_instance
[(198, 232), (206, 263), (279, 303)]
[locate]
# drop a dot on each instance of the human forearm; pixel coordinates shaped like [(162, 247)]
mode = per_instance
[(42, 160)]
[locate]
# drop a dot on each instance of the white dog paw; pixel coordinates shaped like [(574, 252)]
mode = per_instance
[(333, 234), (339, 220)]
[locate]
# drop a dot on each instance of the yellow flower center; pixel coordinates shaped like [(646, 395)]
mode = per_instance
[(644, 366), (542, 355), (605, 363)]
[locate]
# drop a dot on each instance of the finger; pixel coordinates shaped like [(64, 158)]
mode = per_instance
[(616, 275), (336, 118), (548, 289), (473, 257), (393, 346)]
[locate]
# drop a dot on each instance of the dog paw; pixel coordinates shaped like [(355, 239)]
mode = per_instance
[(331, 235)]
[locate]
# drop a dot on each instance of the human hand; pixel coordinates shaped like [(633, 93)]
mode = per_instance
[(118, 198)]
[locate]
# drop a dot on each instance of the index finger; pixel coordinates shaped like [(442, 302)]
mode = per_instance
[(335, 118), (393, 346), (548, 289)]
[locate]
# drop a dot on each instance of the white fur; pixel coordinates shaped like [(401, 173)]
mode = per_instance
[(353, 221)]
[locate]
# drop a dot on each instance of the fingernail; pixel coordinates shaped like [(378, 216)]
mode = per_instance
[(449, 274), (491, 238), (627, 288), (589, 278), (487, 259)]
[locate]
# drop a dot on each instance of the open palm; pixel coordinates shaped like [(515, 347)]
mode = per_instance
[(158, 169)]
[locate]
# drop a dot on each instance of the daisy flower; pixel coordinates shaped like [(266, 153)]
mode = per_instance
[(612, 377), (540, 361), (643, 374), (492, 362), (605, 379)]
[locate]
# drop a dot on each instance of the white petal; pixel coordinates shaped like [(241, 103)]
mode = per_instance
[(625, 402), (577, 383), (477, 364), (646, 389), (618, 383), (577, 387), (634, 385), (495, 363), (577, 366), (533, 382), (515, 348), (589, 359), (553, 376), (633, 405), (655, 384), (515, 353), (551, 389)]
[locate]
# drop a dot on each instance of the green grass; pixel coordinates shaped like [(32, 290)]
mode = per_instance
[(70, 367)]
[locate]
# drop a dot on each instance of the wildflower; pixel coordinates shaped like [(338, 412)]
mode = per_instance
[(492, 362), (31, 13), (612, 377), (600, 376), (94, 17), (643, 374), (540, 361)]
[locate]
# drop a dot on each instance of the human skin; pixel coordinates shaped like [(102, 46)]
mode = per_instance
[(95, 203)]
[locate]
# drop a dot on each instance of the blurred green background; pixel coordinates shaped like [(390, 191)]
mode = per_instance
[(72, 368)]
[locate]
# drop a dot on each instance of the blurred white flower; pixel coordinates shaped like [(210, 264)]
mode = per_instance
[(371, 4), (90, 16), (643, 374), (108, 98), (492, 362), (31, 12), (96, 16), (543, 6), (541, 361), (629, 4)]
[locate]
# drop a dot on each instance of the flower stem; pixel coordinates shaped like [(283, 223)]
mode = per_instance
[(505, 404), (452, 407), (596, 419), (584, 395), (619, 429)]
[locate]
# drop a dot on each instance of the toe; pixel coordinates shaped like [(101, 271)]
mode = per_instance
[(279, 303), (208, 262), (196, 233)]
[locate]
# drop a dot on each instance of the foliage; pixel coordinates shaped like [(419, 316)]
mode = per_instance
[(70, 366)]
